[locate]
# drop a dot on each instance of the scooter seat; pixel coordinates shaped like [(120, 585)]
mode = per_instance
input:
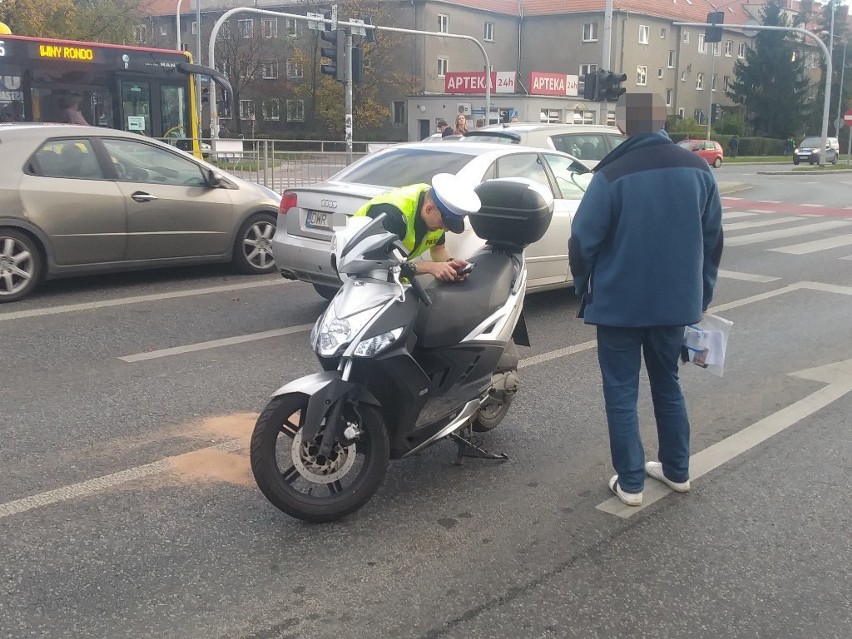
[(459, 307)]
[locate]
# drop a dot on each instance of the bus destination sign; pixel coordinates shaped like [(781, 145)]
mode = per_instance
[(66, 52)]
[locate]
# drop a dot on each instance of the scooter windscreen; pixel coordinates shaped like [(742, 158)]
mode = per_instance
[(365, 245)]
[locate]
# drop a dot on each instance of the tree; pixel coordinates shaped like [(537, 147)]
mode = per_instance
[(96, 20), (325, 96), (840, 34), (771, 81)]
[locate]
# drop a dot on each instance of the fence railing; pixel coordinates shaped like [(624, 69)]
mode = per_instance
[(279, 164)]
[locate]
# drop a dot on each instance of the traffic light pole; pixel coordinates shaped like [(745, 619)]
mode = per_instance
[(347, 119), (214, 119), (751, 27)]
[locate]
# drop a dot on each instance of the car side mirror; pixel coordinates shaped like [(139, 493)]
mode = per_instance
[(213, 179)]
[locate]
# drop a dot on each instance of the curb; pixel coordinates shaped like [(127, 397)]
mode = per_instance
[(726, 188)]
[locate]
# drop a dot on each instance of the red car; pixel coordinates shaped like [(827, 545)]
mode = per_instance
[(708, 149)]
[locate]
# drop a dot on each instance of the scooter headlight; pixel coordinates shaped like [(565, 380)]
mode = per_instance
[(374, 345), (334, 333)]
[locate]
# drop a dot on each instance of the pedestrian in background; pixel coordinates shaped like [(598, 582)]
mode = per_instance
[(788, 146), (461, 124), (734, 146), (644, 253), (442, 124)]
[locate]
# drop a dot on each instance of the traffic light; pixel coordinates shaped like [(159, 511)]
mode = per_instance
[(714, 33), (614, 90), (335, 51), (601, 85), (357, 65), (590, 82)]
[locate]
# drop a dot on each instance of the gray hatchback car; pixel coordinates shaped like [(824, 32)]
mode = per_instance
[(78, 200)]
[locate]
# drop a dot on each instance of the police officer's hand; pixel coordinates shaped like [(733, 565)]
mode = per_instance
[(440, 270)]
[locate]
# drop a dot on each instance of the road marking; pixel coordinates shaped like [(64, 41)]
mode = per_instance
[(737, 214), (816, 206), (90, 306), (762, 211), (765, 236), (216, 343), (837, 375), (98, 484), (747, 277), (753, 224), (816, 245)]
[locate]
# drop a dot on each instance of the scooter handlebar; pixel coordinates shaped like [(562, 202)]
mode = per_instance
[(410, 271)]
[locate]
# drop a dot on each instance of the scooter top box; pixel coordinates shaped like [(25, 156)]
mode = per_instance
[(514, 213)]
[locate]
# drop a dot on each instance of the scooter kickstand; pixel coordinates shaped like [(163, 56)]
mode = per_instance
[(467, 447)]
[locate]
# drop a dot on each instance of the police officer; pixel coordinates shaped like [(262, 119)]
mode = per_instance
[(420, 214)]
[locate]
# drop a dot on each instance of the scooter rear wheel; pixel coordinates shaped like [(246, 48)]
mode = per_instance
[(298, 481)]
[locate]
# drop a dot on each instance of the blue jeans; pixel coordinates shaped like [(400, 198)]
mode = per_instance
[(619, 354)]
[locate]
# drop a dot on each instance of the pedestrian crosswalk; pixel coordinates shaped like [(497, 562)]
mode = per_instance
[(815, 233)]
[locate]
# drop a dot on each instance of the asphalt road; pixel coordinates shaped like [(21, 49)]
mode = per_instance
[(127, 508)]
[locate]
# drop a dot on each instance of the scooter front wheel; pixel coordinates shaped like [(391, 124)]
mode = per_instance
[(297, 480)]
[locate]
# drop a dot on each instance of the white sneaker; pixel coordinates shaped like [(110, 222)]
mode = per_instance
[(655, 470), (631, 499)]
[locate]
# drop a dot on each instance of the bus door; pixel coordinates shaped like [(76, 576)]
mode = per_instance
[(175, 122), (136, 111)]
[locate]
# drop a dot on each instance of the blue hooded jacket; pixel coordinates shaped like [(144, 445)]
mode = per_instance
[(647, 237)]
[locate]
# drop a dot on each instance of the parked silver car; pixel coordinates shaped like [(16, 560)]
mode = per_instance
[(310, 214), (77, 200), (588, 142)]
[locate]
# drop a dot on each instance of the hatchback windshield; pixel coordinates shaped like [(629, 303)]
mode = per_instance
[(403, 167), (809, 142)]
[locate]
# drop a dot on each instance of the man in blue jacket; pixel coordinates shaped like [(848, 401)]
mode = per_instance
[(644, 252)]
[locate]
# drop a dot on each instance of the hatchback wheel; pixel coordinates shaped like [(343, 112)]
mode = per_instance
[(253, 249), (717, 162), (20, 265)]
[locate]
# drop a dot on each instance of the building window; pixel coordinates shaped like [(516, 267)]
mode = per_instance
[(489, 32), (399, 112), (269, 28), (729, 48), (741, 50), (662, 33), (669, 97), (291, 27), (644, 30), (713, 83), (246, 109), (717, 49), (685, 38), (683, 76), (699, 82), (588, 68), (193, 28), (641, 76), (551, 116), (225, 68), (269, 69), (294, 69), (702, 46), (660, 73), (726, 82), (671, 62), (271, 109), (140, 33), (295, 110), (680, 112), (162, 29), (246, 28), (443, 67), (590, 32), (224, 32), (443, 23)]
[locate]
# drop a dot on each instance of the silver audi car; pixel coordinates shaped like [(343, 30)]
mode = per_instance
[(309, 215), (78, 200)]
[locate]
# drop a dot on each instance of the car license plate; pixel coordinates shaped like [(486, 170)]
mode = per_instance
[(318, 220)]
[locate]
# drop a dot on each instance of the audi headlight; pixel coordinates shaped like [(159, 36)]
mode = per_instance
[(334, 333), (374, 345)]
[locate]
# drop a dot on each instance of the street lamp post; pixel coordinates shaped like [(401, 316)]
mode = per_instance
[(177, 23)]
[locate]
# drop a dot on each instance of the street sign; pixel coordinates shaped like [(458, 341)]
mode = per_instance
[(847, 117)]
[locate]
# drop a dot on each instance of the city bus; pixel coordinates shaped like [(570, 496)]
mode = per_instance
[(149, 91)]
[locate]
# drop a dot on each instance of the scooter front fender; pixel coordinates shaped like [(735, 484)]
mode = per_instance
[(324, 391)]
